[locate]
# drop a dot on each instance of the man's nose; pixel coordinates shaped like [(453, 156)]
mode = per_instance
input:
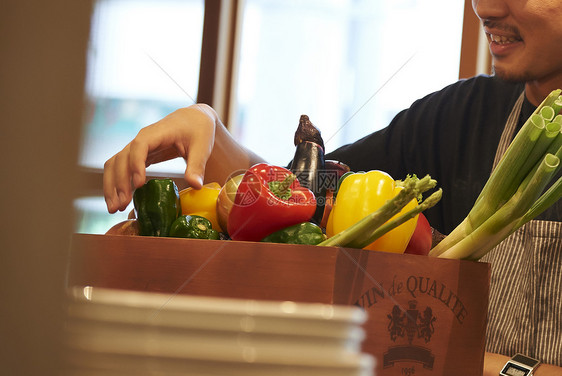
[(491, 9)]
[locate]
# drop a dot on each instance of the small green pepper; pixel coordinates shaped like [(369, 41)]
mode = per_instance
[(193, 226), (340, 180), (301, 233), (157, 205)]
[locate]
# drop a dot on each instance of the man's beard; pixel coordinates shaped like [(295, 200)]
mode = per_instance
[(517, 77)]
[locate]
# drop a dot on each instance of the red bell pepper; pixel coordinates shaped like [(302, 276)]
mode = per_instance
[(420, 242), (269, 198)]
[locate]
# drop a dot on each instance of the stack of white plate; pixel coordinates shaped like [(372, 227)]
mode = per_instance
[(116, 332)]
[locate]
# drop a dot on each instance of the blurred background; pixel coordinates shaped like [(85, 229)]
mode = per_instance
[(80, 78)]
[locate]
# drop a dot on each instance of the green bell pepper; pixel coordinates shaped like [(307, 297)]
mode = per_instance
[(157, 205), (301, 233), (193, 226)]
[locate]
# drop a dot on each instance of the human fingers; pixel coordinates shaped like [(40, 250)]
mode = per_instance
[(116, 182), (197, 157), (155, 143), (126, 170), (109, 191), (200, 145), (122, 179)]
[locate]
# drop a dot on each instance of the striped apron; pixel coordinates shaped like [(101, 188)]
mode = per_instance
[(525, 311)]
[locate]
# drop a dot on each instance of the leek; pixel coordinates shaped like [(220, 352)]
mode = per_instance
[(502, 223), (513, 195), (557, 105)]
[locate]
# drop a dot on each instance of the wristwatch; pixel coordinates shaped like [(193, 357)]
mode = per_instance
[(520, 365)]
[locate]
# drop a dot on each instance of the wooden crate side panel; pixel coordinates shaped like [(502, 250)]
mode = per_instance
[(204, 267)]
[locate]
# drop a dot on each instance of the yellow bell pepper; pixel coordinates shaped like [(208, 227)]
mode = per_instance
[(363, 193), (202, 202)]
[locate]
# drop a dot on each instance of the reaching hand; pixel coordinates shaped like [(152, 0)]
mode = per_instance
[(188, 133)]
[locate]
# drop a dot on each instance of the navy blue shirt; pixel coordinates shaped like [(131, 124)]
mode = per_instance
[(451, 135)]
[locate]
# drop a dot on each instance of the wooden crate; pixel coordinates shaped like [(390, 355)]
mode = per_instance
[(427, 316)]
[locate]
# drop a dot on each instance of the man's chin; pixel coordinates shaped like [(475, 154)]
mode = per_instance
[(510, 76)]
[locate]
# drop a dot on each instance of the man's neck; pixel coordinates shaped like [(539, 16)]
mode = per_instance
[(536, 91)]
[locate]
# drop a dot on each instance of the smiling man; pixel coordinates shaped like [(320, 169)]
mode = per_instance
[(457, 136)]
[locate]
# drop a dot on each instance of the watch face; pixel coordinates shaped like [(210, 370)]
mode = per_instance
[(514, 370)]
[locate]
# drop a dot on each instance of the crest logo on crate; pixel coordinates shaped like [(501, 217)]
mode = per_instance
[(409, 307), (409, 324)]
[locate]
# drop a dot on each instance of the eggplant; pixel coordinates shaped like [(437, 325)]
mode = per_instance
[(308, 163), (338, 168), (306, 131)]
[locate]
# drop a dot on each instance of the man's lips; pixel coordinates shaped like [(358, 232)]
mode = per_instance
[(501, 43), (502, 37)]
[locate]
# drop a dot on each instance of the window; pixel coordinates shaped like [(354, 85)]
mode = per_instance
[(350, 65), (143, 64)]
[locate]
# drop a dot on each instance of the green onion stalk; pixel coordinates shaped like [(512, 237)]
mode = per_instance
[(381, 221), (513, 195)]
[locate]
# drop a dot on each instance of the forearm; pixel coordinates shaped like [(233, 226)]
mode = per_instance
[(228, 157), (493, 364)]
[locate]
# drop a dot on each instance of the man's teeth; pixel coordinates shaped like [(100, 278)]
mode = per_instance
[(502, 39)]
